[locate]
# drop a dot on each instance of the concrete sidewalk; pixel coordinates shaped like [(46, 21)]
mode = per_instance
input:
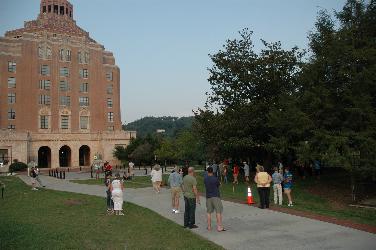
[(248, 227)]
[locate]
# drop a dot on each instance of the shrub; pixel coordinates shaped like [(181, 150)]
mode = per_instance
[(17, 166)]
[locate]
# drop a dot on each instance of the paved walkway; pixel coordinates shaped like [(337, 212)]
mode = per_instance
[(248, 227)]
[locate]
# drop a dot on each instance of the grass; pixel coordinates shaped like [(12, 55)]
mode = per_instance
[(329, 201), (47, 219)]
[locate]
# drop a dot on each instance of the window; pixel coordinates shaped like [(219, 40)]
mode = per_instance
[(40, 52), (86, 57), (68, 55), (64, 122), (65, 55), (44, 52), (44, 122), (11, 126), (61, 54), (45, 84), (84, 73), (45, 70), (64, 85), (11, 82), (84, 87), (11, 98), (49, 8), (109, 76), (110, 116), (80, 57), (110, 128), (65, 100), (48, 53), (44, 9), (110, 89), (64, 71), (84, 101), (83, 57), (44, 99), (84, 122), (11, 67), (11, 114), (109, 103)]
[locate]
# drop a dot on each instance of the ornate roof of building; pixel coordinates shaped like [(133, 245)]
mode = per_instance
[(51, 22)]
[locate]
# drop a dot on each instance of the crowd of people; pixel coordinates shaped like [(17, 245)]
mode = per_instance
[(183, 181)]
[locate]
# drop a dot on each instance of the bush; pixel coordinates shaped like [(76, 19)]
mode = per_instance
[(17, 166)]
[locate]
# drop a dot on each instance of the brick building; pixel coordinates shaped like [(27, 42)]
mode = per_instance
[(59, 93)]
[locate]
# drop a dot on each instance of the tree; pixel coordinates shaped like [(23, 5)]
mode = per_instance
[(340, 89), (166, 150), (246, 87)]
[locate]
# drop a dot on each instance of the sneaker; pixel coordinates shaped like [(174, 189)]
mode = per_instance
[(177, 211), (34, 189), (193, 226), (173, 210), (121, 213)]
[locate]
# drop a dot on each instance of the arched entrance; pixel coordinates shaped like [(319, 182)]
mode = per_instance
[(65, 156), (44, 157), (84, 155)]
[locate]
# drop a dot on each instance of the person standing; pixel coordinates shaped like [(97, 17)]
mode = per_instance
[(156, 178), (109, 202), (117, 189), (130, 169), (236, 173), (263, 180), (33, 175), (97, 169), (287, 185), (213, 200), (246, 171), (191, 196), (277, 186), (317, 167), (215, 168), (175, 182)]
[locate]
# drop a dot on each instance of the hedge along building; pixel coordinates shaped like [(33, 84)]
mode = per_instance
[(59, 93)]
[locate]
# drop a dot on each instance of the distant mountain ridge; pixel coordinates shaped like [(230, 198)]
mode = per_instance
[(149, 125)]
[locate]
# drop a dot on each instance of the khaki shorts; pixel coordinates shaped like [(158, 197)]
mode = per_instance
[(175, 191), (212, 204)]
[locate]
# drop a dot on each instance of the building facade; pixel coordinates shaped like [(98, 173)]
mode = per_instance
[(59, 93)]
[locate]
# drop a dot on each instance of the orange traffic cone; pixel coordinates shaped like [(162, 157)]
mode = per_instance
[(250, 197)]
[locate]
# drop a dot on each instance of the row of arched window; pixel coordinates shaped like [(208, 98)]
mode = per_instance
[(45, 52)]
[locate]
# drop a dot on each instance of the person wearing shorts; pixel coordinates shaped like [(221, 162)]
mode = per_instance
[(213, 200), (175, 180), (287, 185)]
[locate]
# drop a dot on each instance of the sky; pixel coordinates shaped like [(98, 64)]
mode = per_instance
[(162, 46)]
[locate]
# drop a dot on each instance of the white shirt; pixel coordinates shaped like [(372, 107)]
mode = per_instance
[(156, 175)]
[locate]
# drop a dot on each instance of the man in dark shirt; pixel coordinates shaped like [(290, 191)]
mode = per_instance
[(213, 201)]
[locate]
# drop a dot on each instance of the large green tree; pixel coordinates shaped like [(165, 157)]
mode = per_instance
[(246, 87)]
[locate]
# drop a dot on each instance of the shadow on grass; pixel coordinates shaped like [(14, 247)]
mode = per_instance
[(47, 219)]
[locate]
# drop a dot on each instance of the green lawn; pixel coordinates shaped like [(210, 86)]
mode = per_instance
[(304, 199), (47, 219)]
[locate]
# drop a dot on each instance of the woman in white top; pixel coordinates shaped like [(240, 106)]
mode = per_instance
[(156, 178), (117, 188)]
